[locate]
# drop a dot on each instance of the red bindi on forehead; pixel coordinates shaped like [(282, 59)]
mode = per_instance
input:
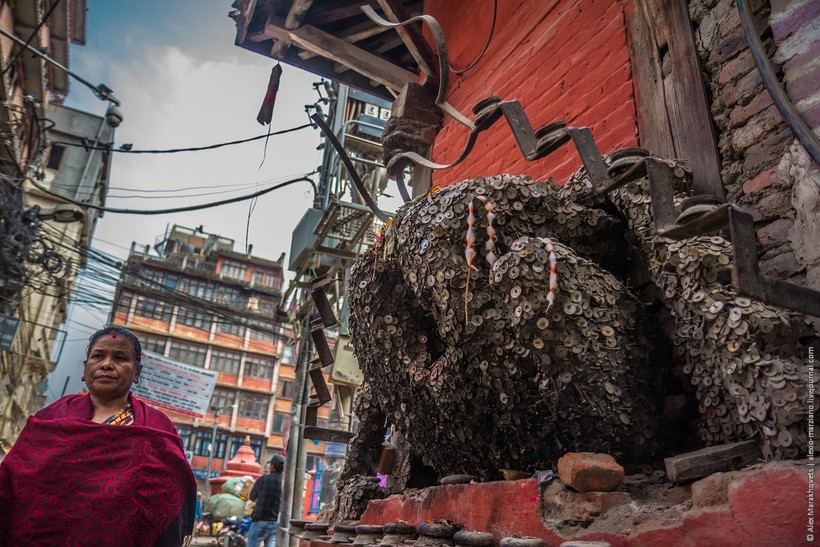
[(113, 335)]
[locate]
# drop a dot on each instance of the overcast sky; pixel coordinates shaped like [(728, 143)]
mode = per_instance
[(182, 82)]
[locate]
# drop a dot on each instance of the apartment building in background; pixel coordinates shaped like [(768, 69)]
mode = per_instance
[(199, 302)]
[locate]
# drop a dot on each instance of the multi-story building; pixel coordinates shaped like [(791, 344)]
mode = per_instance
[(201, 303), (43, 166)]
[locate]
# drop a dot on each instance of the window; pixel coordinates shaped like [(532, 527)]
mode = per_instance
[(153, 308), (233, 269), (225, 325), (154, 344), (151, 276), (256, 446), (223, 398), (313, 463), (280, 422), (253, 406), (185, 434), (55, 156), (124, 301), (261, 330), (225, 361), (287, 355), (190, 354), (202, 441), (259, 367), (197, 287), (265, 278), (286, 389), (194, 318)]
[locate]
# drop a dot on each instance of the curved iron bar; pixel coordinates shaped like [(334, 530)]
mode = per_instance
[(779, 97), (443, 61), (351, 169)]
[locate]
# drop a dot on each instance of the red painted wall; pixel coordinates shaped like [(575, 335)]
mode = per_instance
[(561, 59)]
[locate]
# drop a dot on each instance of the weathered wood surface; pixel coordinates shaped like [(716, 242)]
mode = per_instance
[(712, 459), (674, 119)]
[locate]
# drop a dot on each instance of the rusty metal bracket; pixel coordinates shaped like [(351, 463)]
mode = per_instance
[(748, 281)]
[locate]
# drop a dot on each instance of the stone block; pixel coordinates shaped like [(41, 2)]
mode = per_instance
[(772, 206), (732, 94), (590, 471), (561, 505), (713, 490), (761, 181), (775, 233), (712, 459), (782, 266), (674, 495), (737, 67), (741, 114)]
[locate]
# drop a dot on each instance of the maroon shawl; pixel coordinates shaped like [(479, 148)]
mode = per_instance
[(69, 481)]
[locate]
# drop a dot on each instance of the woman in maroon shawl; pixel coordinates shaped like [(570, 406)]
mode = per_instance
[(101, 468)]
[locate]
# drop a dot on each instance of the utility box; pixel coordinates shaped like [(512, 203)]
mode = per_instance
[(304, 239)]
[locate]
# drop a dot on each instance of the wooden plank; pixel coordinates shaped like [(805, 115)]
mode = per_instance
[(335, 49), (329, 435), (411, 36), (331, 12), (690, 115), (297, 13), (353, 34), (712, 459), (246, 9), (653, 125), (674, 119)]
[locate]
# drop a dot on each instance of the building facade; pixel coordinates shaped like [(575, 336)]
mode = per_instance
[(39, 177), (201, 303)]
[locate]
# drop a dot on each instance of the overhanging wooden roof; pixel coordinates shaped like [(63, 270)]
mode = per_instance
[(334, 39)]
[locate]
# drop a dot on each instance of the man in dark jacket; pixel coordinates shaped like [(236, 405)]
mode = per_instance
[(266, 493)]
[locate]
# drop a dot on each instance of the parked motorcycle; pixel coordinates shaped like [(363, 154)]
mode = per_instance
[(234, 532)]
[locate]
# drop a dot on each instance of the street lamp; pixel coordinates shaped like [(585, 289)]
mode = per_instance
[(215, 410)]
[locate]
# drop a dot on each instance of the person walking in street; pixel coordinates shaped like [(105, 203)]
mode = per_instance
[(266, 494), (99, 468)]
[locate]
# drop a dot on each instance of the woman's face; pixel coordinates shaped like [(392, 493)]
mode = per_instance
[(110, 367)]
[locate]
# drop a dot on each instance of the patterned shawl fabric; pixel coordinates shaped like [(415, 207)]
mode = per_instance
[(69, 481)]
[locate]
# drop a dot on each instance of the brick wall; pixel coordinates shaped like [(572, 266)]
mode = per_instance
[(564, 59), (763, 168)]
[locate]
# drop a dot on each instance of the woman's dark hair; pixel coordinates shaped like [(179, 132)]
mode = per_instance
[(122, 332)]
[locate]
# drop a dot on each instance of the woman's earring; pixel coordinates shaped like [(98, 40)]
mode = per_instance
[(136, 381)]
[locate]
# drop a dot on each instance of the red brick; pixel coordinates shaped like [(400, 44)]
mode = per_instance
[(775, 234), (590, 471), (741, 114), (739, 66), (806, 85), (756, 129), (767, 152), (747, 84), (761, 181)]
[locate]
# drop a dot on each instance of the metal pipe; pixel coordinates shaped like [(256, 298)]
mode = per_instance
[(784, 105), (294, 437)]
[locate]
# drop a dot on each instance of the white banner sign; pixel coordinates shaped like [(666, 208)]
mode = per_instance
[(175, 386)]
